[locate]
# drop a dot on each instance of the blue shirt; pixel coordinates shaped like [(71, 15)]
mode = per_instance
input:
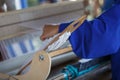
[(99, 37), (107, 4)]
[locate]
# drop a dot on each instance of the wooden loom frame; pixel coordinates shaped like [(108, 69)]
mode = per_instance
[(43, 60)]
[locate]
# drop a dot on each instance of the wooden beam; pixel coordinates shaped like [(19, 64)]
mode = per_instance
[(38, 12), (60, 51)]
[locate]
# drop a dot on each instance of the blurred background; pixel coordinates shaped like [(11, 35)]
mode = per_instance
[(92, 7)]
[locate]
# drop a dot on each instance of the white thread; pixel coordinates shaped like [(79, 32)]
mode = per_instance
[(62, 39), (84, 60)]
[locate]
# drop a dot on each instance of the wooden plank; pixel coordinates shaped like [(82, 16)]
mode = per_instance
[(10, 30), (40, 60), (38, 12), (60, 51)]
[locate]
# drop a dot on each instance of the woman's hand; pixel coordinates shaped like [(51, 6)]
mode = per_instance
[(49, 31)]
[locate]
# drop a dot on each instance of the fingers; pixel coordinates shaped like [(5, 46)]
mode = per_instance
[(45, 36), (42, 37), (49, 31)]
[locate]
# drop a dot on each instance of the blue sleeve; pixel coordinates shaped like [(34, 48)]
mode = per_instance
[(99, 37), (63, 26)]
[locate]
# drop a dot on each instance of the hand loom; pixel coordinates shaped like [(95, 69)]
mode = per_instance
[(42, 59)]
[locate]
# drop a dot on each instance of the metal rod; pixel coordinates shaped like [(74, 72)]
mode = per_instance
[(63, 58), (87, 76)]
